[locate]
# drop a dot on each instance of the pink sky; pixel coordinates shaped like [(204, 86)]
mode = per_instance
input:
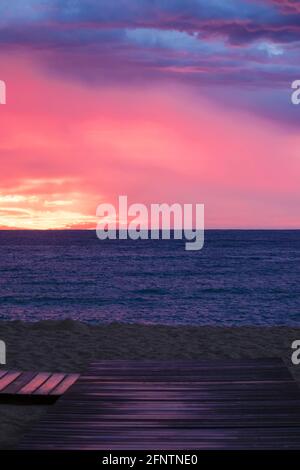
[(66, 146)]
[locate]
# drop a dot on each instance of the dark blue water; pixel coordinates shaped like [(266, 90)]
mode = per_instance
[(238, 278)]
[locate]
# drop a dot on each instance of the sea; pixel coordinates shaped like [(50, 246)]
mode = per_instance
[(240, 277)]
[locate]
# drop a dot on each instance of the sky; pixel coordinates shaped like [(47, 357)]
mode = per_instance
[(163, 101)]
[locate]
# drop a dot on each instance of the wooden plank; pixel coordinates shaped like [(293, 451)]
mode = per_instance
[(97, 383), (123, 405), (16, 385), (160, 405), (185, 439), (35, 383), (65, 384), (8, 378), (177, 363), (202, 379), (204, 398), (50, 384), (201, 372)]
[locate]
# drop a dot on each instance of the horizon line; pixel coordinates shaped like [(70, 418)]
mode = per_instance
[(172, 229)]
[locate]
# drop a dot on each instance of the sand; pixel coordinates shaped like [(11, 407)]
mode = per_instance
[(68, 346)]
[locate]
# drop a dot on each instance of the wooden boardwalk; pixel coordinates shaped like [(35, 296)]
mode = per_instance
[(18, 383), (175, 405)]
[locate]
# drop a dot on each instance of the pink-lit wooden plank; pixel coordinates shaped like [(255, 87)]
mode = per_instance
[(47, 387), (8, 378), (23, 379), (36, 382), (2, 372), (65, 384)]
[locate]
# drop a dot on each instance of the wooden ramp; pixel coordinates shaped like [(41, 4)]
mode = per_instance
[(35, 383), (182, 405)]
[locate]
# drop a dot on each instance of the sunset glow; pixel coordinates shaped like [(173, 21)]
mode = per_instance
[(173, 116)]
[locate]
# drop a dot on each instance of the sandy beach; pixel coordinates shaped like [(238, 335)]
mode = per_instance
[(68, 346)]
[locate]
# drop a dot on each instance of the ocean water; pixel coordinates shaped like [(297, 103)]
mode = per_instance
[(238, 278)]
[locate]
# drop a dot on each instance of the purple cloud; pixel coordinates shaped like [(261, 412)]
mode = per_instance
[(237, 43)]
